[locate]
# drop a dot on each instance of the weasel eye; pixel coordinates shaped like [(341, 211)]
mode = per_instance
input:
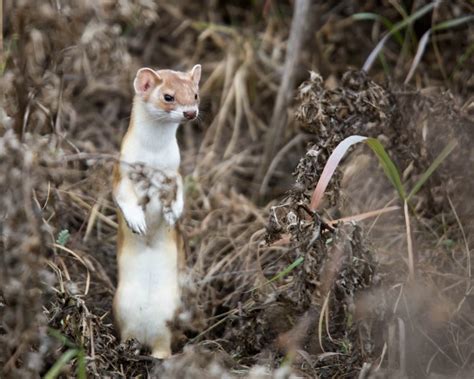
[(169, 98), (195, 97)]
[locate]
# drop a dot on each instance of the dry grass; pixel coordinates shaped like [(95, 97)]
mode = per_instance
[(277, 289)]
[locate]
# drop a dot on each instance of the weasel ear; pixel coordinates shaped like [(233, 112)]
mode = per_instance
[(196, 74), (145, 81)]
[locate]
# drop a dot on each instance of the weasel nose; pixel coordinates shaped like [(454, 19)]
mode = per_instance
[(190, 115)]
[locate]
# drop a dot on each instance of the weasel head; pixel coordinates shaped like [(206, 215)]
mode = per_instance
[(169, 96)]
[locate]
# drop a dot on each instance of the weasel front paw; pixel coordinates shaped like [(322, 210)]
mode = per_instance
[(135, 219), (170, 217), (172, 214)]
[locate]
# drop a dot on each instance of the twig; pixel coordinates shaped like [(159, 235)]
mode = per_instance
[(365, 215), (433, 342), (297, 139), (298, 29), (90, 156), (239, 84)]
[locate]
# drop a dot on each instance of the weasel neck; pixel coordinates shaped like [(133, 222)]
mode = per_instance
[(152, 134), (150, 141)]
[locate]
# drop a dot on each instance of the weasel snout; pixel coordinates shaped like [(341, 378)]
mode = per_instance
[(190, 115)]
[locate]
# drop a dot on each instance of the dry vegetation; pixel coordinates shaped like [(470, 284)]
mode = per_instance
[(278, 288)]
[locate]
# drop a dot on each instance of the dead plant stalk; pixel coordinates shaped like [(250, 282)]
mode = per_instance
[(299, 25)]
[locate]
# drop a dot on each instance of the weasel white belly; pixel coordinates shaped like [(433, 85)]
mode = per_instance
[(148, 293)]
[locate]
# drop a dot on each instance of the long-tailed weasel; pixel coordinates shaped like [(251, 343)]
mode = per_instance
[(148, 192)]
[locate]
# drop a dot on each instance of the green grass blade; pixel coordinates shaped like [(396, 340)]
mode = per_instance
[(81, 365), (388, 166), (286, 270), (424, 40), (61, 338), (385, 65), (463, 58), (398, 26), (282, 273), (364, 16), (63, 360), (439, 159), (449, 24), (203, 25), (389, 25), (413, 17), (332, 163)]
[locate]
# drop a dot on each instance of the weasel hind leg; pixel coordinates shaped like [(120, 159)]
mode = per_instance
[(161, 348)]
